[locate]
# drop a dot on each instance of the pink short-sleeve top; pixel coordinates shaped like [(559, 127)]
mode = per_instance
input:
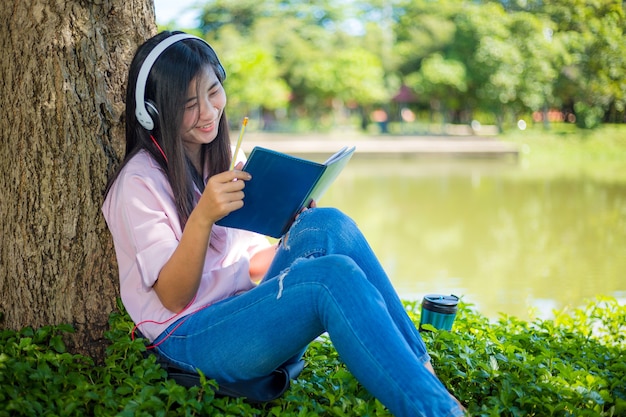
[(142, 218)]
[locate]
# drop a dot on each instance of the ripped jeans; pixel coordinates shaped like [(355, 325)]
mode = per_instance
[(324, 278)]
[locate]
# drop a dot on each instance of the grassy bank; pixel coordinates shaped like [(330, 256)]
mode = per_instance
[(570, 366), (567, 150)]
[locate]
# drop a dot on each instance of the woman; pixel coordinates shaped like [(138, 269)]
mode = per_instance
[(189, 284)]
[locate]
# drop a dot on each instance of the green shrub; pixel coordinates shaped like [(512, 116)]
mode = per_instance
[(572, 365)]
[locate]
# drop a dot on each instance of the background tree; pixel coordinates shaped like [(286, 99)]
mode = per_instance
[(317, 60), (541, 56), (62, 75), (494, 63), (443, 82), (487, 59), (254, 83), (422, 30), (593, 80)]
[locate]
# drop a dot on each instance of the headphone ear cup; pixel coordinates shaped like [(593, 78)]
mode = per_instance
[(221, 70), (153, 113)]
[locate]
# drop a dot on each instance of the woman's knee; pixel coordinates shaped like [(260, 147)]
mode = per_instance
[(339, 278), (335, 271), (339, 265), (327, 218)]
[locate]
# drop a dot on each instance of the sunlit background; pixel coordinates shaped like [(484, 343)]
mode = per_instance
[(179, 11), (507, 237)]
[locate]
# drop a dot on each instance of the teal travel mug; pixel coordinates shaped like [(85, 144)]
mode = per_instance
[(439, 311)]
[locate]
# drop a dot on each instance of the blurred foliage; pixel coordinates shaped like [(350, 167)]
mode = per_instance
[(339, 60)]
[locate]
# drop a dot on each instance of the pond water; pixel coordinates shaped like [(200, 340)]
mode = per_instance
[(504, 239)]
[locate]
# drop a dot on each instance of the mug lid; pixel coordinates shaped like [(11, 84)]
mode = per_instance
[(441, 300), (446, 300)]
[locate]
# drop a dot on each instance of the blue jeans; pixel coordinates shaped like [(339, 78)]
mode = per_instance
[(324, 278)]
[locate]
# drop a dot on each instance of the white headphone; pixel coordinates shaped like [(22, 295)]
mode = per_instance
[(144, 107)]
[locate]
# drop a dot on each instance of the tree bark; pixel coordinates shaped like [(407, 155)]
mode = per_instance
[(62, 87)]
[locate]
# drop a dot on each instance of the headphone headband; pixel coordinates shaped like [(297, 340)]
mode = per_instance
[(141, 112)]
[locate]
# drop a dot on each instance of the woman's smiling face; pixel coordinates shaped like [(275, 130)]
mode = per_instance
[(205, 104)]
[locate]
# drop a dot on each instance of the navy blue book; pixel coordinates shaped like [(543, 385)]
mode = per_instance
[(281, 186)]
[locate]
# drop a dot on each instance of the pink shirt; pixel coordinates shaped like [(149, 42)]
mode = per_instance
[(139, 210)]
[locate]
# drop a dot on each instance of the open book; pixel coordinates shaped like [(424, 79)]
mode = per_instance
[(281, 186)]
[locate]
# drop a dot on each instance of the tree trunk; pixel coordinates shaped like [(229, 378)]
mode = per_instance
[(62, 80)]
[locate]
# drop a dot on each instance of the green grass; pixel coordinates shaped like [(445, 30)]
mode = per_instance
[(567, 150), (572, 365)]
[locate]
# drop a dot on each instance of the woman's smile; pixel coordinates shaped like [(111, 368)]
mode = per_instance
[(206, 128)]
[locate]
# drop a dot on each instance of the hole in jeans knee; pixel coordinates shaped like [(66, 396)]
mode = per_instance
[(281, 278)]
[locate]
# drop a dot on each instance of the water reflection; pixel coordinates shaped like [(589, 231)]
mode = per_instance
[(504, 239)]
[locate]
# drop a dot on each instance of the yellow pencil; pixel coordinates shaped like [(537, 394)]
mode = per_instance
[(243, 127)]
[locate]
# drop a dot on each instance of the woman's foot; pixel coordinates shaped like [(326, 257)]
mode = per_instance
[(429, 366)]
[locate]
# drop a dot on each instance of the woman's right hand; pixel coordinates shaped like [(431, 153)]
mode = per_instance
[(179, 278), (222, 194)]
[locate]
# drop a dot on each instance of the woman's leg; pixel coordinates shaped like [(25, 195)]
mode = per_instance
[(325, 231), (251, 334), (324, 278)]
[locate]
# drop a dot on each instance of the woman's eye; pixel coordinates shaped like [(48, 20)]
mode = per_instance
[(215, 91), (191, 106)]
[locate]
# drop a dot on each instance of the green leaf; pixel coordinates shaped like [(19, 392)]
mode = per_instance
[(56, 343)]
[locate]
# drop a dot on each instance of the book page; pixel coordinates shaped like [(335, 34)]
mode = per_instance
[(337, 162), (337, 155)]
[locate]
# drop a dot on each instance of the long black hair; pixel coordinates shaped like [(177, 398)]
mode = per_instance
[(166, 87)]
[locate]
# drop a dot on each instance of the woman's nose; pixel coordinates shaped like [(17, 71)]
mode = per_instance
[(208, 110)]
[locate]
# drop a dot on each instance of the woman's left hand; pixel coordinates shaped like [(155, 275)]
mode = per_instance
[(312, 204)]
